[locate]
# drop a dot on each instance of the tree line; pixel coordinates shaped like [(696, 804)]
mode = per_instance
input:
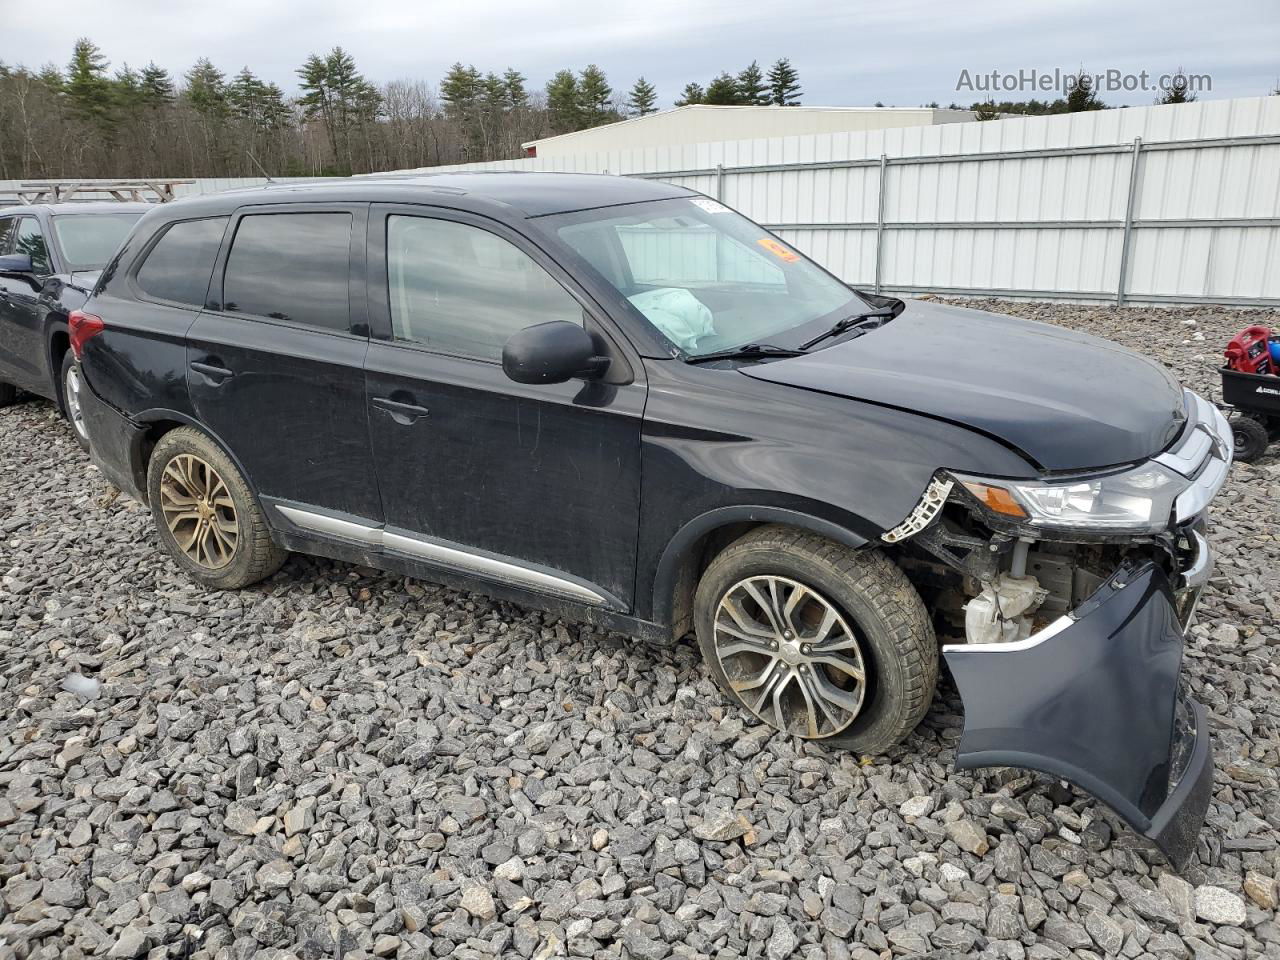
[(85, 120)]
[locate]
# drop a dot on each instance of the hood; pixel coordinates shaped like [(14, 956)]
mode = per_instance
[(1066, 400)]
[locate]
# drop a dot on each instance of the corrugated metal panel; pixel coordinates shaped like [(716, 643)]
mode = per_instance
[(1055, 223)]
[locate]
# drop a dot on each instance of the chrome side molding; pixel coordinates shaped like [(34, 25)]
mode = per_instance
[(440, 552), (332, 526)]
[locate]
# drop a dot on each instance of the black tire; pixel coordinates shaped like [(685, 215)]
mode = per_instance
[(8, 393), (70, 383), (252, 556), (894, 635), (1250, 438)]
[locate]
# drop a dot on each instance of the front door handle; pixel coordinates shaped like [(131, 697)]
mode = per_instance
[(213, 372), (402, 413)]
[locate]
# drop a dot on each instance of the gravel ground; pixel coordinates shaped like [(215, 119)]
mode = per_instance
[(343, 762)]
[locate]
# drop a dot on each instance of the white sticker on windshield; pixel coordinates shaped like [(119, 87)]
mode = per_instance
[(709, 205)]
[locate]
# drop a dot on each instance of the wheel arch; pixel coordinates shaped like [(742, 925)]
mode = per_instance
[(57, 343), (696, 543), (156, 424)]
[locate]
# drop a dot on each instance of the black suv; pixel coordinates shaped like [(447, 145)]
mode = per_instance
[(50, 255), (621, 401)]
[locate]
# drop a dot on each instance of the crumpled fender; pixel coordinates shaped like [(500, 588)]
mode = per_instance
[(1094, 699)]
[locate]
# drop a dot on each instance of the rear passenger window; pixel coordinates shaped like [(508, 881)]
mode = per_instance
[(179, 266), (292, 266)]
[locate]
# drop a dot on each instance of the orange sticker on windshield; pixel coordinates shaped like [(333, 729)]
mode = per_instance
[(778, 250)]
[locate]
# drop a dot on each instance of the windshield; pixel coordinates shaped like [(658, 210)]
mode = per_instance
[(707, 278), (88, 240)]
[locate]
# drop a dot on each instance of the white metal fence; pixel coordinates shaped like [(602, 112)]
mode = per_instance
[(1160, 204)]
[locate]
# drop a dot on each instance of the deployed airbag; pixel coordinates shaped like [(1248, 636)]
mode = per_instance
[(677, 313)]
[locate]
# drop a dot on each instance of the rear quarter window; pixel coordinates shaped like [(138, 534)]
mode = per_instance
[(179, 266)]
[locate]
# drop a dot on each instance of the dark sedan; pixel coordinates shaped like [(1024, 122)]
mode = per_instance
[(50, 256)]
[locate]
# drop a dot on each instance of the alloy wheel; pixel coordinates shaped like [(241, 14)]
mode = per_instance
[(199, 511), (790, 656), (75, 410)]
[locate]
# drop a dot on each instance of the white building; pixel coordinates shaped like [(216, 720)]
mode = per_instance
[(702, 123)]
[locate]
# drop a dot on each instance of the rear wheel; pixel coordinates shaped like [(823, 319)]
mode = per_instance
[(71, 385), (818, 640), (207, 518), (1250, 438)]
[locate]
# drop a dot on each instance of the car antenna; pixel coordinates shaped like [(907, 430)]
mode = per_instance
[(270, 179)]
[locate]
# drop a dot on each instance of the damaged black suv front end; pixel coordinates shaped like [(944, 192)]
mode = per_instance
[(1073, 594)]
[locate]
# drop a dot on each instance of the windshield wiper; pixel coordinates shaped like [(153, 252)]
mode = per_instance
[(750, 351), (884, 315)]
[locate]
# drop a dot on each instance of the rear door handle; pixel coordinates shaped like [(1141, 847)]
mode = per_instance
[(402, 413), (215, 373)]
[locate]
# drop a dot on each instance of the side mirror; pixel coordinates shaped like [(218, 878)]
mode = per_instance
[(17, 264), (552, 352)]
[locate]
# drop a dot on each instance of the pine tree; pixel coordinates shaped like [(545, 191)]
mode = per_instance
[(206, 89), (1083, 96), (126, 92), (986, 111), (460, 91), (752, 89), (563, 101), (358, 100), (52, 78), (722, 91), (693, 93), (275, 113), (157, 85), (1179, 89), (334, 91), (643, 98), (494, 92), (247, 98), (517, 96), (784, 84), (128, 84), (593, 95), (87, 84)]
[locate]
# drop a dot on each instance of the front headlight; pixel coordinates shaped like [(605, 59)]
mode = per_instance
[(1136, 501)]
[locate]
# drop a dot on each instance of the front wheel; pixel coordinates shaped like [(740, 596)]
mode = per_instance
[(71, 385), (206, 516), (817, 640)]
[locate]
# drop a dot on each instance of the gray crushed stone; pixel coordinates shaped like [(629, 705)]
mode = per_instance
[(340, 762)]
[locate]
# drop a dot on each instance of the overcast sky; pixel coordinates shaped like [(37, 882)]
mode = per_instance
[(903, 52)]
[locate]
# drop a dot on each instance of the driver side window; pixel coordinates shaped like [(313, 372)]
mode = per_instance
[(460, 290)]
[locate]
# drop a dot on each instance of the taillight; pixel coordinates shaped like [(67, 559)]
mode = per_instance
[(84, 326)]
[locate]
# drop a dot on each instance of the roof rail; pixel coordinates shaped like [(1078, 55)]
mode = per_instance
[(58, 191)]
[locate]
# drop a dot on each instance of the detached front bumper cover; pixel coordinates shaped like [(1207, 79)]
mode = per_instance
[(1095, 699)]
